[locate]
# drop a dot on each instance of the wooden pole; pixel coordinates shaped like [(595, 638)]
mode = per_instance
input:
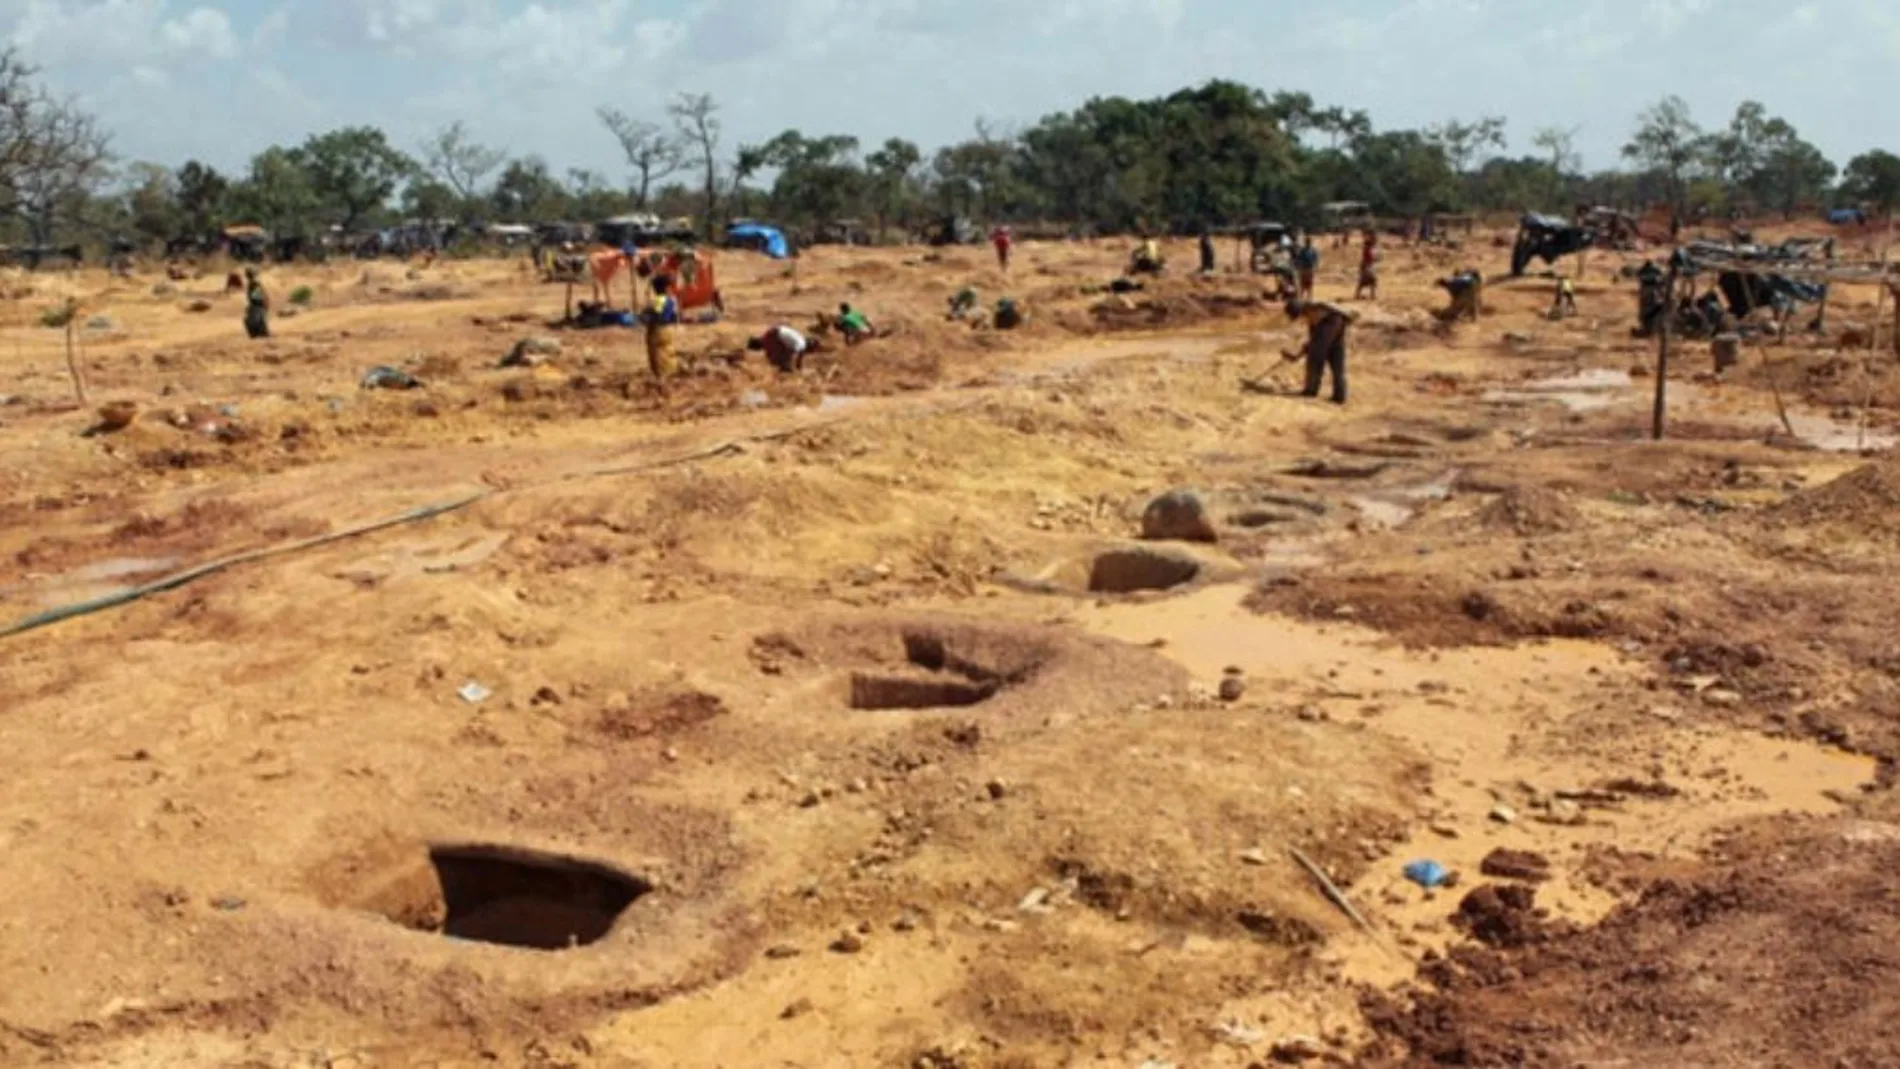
[(1658, 421), (72, 359)]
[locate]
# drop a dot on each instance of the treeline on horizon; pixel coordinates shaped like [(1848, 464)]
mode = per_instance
[(1219, 154)]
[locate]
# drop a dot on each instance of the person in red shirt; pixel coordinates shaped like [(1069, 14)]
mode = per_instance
[(1368, 268), (1000, 237)]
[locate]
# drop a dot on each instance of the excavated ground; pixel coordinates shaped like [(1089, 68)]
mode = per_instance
[(847, 719)]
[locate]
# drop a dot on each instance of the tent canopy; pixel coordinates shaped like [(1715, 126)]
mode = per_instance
[(767, 239)]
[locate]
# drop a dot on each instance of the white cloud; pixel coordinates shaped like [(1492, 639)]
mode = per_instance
[(272, 28), (151, 76), (118, 32), (202, 29)]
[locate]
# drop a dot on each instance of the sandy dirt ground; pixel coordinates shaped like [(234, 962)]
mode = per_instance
[(844, 718)]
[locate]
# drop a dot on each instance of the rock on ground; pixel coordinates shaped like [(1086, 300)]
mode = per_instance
[(1178, 516)]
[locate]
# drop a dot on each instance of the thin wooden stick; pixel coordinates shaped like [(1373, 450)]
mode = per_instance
[(1332, 892), (1658, 420), (72, 360), (1873, 340)]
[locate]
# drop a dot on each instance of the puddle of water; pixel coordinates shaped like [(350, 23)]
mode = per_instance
[(1395, 507), (1588, 390), (1835, 436), (1490, 721), (838, 403)]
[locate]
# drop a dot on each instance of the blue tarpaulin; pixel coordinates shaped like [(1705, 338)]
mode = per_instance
[(767, 239)]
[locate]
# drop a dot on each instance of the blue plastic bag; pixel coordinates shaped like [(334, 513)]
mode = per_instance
[(1427, 874)]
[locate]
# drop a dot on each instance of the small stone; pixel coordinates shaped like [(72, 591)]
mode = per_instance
[(907, 922), (1721, 698), (670, 754), (996, 789), (1565, 813), (797, 1009), (1232, 688), (227, 903), (1296, 1049), (1255, 856), (857, 786), (1503, 814), (782, 951), (810, 800), (847, 943), (1444, 831)]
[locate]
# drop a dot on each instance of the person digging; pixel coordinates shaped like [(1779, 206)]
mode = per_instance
[(1325, 348)]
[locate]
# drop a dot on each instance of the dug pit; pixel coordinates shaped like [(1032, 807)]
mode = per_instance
[(506, 896), (936, 676)]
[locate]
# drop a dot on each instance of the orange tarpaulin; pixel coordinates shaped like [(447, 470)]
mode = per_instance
[(695, 285)]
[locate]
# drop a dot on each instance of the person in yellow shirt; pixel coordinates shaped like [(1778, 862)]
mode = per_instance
[(662, 318)]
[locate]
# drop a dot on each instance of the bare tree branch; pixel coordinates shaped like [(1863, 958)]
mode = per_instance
[(652, 152)]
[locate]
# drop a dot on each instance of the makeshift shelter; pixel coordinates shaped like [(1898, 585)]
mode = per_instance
[(758, 237), (695, 283)]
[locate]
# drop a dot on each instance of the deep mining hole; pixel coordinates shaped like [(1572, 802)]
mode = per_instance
[(521, 898)]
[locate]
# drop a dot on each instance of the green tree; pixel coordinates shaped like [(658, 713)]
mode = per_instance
[(202, 193), (1873, 178), (1559, 146), (891, 181), (353, 172), (1404, 172), (1461, 142), (818, 180), (425, 198), (1669, 143), (277, 193), (1793, 173), (528, 192), (151, 202)]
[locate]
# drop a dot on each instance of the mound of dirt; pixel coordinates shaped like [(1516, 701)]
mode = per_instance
[(1749, 963), (1863, 500), (1529, 510)]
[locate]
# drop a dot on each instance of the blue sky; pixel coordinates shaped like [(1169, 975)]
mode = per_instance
[(219, 79)]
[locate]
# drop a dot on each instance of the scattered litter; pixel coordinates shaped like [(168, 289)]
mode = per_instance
[(1256, 856), (384, 377), (1036, 901), (753, 399), (1427, 874), (1238, 1034), (1504, 814), (227, 903), (474, 693)]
